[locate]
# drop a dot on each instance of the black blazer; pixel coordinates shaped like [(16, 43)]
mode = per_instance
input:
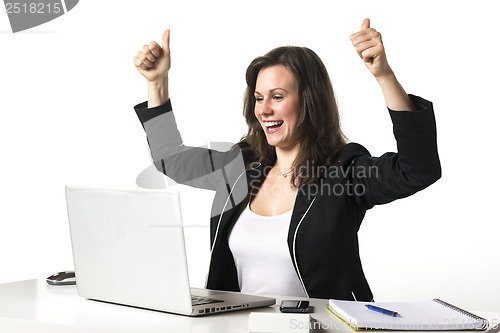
[(322, 237)]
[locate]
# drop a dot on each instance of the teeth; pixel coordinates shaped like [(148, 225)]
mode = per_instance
[(272, 123)]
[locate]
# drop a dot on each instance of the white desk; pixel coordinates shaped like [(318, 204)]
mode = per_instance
[(33, 306)]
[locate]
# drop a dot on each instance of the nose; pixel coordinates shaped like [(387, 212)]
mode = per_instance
[(265, 108)]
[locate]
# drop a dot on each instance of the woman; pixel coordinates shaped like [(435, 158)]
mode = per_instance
[(290, 197)]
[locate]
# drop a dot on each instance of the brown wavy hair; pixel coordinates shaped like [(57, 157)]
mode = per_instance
[(318, 126)]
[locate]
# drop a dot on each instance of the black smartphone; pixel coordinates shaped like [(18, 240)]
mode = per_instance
[(294, 306)]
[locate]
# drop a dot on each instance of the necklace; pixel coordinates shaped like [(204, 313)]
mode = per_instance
[(285, 174)]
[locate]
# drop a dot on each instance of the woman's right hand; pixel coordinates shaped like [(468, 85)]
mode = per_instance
[(153, 61)]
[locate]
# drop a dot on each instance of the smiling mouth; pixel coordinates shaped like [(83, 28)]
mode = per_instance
[(273, 126)]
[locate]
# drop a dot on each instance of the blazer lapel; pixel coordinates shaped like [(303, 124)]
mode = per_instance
[(305, 196)]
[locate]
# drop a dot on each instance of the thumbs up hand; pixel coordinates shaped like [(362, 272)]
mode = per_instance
[(153, 61), (368, 44)]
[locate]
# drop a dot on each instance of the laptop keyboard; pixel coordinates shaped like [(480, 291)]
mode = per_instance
[(199, 300)]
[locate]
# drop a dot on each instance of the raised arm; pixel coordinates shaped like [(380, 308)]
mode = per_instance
[(220, 170), (416, 165), (153, 62), (368, 44)]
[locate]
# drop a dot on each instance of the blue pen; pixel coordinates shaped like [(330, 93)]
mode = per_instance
[(381, 310)]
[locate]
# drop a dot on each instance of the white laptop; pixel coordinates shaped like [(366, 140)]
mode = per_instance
[(128, 248)]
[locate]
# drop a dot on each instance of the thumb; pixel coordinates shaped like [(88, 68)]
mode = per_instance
[(366, 24), (165, 41)]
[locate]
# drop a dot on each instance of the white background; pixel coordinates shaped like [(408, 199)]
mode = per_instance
[(68, 88)]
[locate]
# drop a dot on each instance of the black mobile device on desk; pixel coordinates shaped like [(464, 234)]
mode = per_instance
[(294, 306)]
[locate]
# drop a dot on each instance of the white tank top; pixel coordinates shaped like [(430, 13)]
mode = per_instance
[(260, 251)]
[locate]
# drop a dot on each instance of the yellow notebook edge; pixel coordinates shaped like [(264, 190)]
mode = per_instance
[(348, 324)]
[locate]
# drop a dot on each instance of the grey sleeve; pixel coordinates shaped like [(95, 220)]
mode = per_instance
[(221, 169)]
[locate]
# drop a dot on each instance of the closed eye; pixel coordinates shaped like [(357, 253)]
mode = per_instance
[(275, 97)]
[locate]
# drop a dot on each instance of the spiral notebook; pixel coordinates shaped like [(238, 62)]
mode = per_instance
[(434, 315)]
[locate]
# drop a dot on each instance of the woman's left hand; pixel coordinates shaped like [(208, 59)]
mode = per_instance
[(368, 44)]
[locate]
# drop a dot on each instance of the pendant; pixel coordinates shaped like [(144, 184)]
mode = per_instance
[(286, 173)]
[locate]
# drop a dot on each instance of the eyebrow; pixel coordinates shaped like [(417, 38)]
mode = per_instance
[(256, 92)]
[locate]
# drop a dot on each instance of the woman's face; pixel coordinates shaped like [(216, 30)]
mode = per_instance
[(277, 105)]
